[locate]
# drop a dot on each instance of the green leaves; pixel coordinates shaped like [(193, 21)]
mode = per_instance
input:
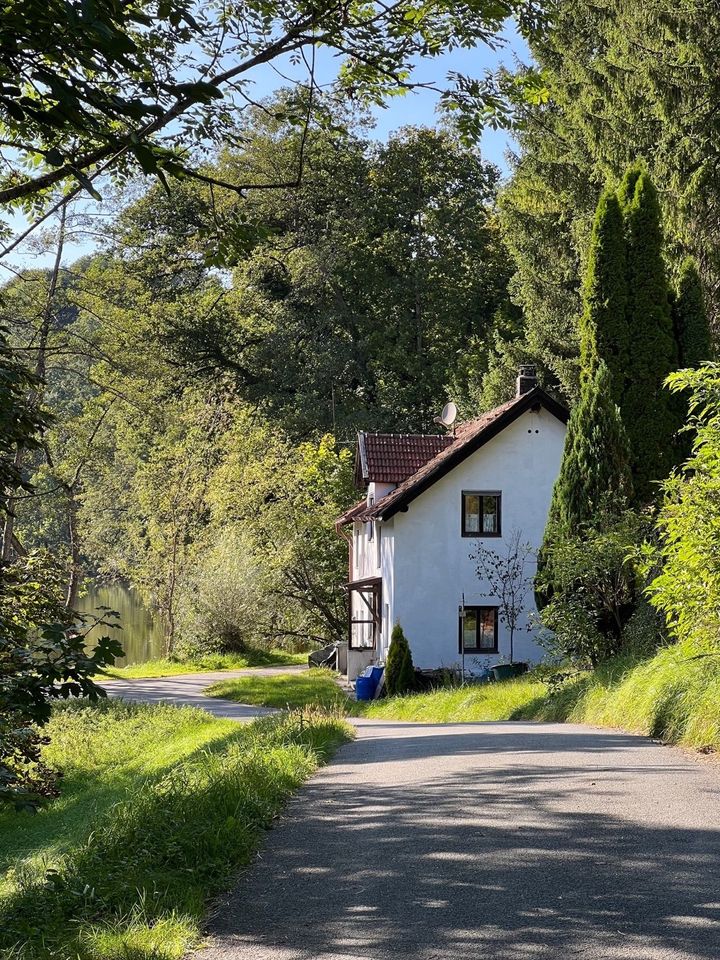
[(93, 79), (687, 586), (42, 658)]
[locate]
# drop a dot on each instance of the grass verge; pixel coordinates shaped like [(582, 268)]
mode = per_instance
[(160, 806), (316, 687), (489, 701), (673, 696), (167, 667)]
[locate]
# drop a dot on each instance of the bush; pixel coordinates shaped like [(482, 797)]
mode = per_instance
[(596, 586), (687, 587), (645, 631), (399, 669), (222, 601), (42, 658)]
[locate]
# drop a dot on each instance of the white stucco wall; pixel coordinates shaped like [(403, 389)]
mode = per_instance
[(430, 567)]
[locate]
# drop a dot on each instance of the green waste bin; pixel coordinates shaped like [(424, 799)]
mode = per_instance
[(506, 671)]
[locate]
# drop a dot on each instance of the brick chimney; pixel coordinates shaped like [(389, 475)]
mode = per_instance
[(526, 379)]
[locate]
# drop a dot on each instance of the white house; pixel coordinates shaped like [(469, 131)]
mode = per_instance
[(429, 501)]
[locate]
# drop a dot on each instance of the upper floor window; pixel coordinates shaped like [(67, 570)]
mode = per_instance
[(480, 514)]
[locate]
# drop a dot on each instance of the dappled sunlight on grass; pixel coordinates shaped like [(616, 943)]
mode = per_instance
[(159, 806), (104, 752)]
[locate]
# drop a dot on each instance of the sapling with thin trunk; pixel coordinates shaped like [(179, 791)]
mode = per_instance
[(508, 579)]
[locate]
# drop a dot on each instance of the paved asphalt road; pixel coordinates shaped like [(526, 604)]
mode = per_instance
[(186, 689), (495, 841), (487, 841)]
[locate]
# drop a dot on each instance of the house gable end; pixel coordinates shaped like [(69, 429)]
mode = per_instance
[(440, 466)]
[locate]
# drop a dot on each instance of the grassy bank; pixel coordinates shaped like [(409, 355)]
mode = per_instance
[(167, 667), (159, 806), (673, 696), (491, 701), (316, 687)]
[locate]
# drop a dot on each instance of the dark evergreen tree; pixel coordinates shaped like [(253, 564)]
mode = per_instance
[(603, 324), (648, 411), (595, 469), (625, 79), (692, 331), (399, 669), (594, 479)]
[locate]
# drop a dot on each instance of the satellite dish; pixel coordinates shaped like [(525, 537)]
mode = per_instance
[(449, 414), (447, 417)]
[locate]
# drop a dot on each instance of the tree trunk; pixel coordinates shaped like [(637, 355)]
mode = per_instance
[(74, 579), (9, 525)]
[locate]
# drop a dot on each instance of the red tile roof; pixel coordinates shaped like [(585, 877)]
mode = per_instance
[(465, 434), (352, 512), (469, 436), (393, 457)]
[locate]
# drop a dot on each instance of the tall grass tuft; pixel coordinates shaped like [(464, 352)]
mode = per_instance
[(137, 885)]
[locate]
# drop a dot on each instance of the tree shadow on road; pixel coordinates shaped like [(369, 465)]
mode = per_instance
[(516, 859)]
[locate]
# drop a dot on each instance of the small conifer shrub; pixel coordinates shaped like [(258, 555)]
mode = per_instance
[(399, 669)]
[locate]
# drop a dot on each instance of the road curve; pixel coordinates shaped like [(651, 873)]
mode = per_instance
[(484, 841), (187, 690), (496, 841)]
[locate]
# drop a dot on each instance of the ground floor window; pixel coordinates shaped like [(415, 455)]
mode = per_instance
[(478, 630)]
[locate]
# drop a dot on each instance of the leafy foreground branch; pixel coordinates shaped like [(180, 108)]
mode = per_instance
[(160, 807)]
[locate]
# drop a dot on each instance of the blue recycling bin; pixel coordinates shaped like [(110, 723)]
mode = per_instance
[(376, 673), (364, 688)]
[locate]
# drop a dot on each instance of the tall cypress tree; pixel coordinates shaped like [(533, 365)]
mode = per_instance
[(603, 325), (594, 478), (692, 331), (649, 415), (595, 469), (626, 190)]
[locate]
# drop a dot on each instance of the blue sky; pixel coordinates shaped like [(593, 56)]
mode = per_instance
[(416, 108), (419, 108)]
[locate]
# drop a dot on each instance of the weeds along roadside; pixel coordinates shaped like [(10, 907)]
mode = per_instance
[(139, 882)]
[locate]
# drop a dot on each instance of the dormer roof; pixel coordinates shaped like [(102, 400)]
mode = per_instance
[(393, 457)]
